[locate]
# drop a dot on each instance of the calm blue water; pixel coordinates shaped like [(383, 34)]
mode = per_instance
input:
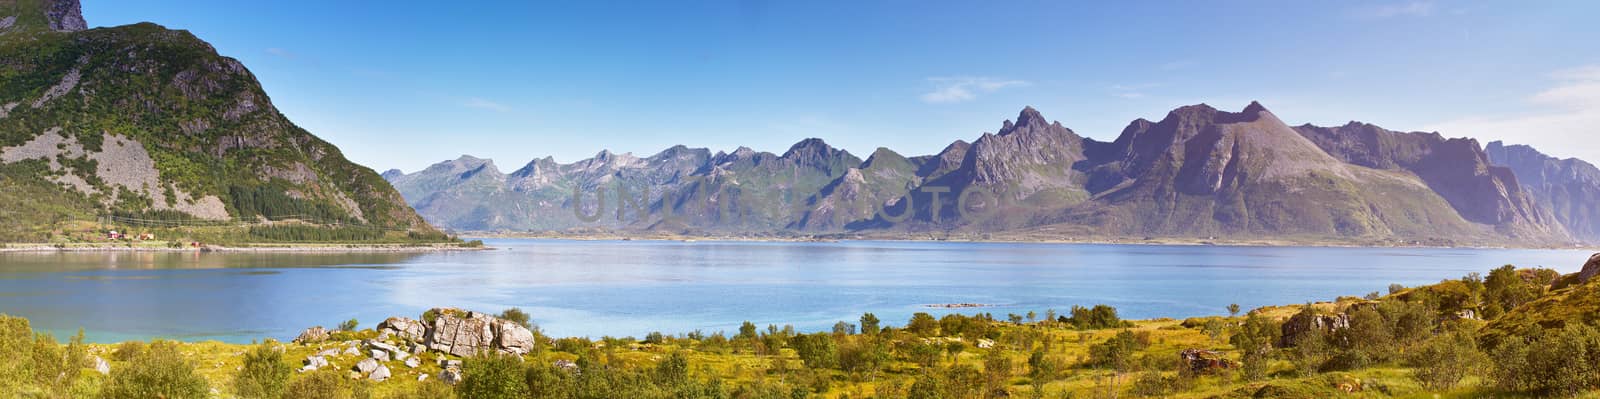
[(596, 288)]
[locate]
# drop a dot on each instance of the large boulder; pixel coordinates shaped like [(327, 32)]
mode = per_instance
[(101, 366), (367, 365), (1590, 268), (513, 338), (312, 335), (465, 333), (403, 328), (1302, 323), (314, 362), (380, 374), (1204, 361)]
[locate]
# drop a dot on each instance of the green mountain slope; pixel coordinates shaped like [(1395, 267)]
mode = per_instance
[(147, 124)]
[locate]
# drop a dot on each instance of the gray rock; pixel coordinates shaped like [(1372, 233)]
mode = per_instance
[(328, 352), (380, 374), (405, 329), (1590, 268), (465, 333), (312, 335), (450, 376), (352, 351), (367, 365), (314, 362), (422, 377), (413, 362), (394, 352), (101, 366), (380, 355)]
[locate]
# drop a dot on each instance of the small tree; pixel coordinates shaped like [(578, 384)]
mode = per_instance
[(1233, 310), (843, 328), (264, 374), (869, 324), (747, 331), (923, 324), (349, 325), (1254, 340), (516, 315)]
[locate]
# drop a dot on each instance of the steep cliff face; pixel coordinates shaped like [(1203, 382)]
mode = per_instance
[(1457, 169), (1204, 172), (1568, 188), (147, 122)]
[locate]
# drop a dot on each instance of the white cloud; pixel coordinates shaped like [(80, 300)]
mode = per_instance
[(961, 89), (1400, 9), (1562, 120), (480, 103)]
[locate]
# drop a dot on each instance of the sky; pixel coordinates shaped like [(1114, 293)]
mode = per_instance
[(405, 84)]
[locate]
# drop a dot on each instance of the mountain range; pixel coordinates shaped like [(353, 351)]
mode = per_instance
[(150, 124), (1198, 173)]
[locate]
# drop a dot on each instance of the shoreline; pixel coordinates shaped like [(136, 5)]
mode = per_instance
[(263, 248), (1002, 240)]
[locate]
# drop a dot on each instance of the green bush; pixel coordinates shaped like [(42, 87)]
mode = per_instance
[(159, 372), (349, 325), (1255, 340), (264, 375), (493, 376), (128, 350), (1550, 362), (1443, 360), (326, 383)]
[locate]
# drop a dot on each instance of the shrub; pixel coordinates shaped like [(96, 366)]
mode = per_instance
[(160, 372), (1099, 317), (923, 324), (493, 376), (816, 350), (516, 315), (326, 383), (1115, 353), (1550, 362), (128, 350), (349, 325), (431, 389), (1443, 360), (264, 374)]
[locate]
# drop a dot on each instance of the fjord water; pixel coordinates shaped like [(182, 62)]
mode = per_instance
[(618, 288)]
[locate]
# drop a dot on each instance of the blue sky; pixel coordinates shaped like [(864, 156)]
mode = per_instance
[(404, 84)]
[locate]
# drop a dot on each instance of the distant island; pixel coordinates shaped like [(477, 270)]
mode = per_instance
[(1199, 175), (141, 136)]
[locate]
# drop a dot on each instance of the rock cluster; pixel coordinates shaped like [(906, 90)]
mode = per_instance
[(466, 333), (448, 331), (312, 335)]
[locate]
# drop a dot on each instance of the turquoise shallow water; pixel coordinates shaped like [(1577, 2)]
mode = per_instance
[(596, 288)]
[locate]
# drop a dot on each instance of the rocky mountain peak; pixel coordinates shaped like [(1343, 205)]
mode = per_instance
[(1028, 119), (53, 15)]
